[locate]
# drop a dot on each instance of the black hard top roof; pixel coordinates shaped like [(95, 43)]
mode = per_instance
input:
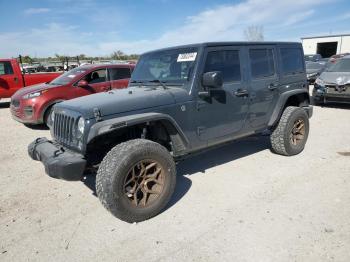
[(218, 44)]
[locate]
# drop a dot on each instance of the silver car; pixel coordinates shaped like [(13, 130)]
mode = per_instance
[(333, 85)]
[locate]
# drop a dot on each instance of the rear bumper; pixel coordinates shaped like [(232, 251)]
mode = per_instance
[(58, 162)]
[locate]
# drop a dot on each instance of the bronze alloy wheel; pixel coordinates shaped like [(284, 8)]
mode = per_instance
[(144, 183), (298, 132)]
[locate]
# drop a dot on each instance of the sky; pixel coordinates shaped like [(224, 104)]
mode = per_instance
[(98, 27)]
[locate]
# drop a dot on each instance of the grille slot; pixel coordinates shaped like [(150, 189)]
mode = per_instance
[(64, 129)]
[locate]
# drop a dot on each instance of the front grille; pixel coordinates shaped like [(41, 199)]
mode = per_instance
[(64, 129), (15, 102), (338, 90)]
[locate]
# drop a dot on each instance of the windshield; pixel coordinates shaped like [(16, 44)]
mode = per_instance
[(68, 76), (312, 57), (170, 66), (341, 65), (311, 65)]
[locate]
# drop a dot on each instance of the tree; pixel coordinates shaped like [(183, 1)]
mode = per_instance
[(254, 33), (60, 58), (82, 57), (27, 59), (119, 55)]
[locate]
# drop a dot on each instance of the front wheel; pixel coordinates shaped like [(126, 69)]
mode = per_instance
[(136, 180), (290, 135), (47, 115)]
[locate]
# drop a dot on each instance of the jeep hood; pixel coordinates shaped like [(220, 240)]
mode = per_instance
[(119, 101), (337, 78)]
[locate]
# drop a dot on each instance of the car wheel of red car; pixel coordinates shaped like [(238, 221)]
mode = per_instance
[(47, 115)]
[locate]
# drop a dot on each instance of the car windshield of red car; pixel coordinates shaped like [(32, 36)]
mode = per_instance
[(68, 76)]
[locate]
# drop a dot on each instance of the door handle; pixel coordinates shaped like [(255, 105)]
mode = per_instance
[(241, 93), (273, 86)]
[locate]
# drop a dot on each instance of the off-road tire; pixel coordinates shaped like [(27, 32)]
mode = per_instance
[(114, 169), (280, 138)]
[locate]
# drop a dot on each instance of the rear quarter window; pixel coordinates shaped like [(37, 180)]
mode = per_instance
[(6, 68), (292, 60)]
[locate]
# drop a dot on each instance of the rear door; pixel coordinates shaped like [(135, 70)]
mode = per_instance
[(264, 83), (9, 82), (119, 77)]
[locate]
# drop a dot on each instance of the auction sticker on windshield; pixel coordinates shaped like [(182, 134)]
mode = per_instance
[(186, 57)]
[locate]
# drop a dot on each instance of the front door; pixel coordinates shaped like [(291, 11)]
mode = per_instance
[(224, 112), (97, 81), (264, 84), (9, 82)]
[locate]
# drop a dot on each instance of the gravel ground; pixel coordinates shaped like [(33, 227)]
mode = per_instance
[(236, 203)]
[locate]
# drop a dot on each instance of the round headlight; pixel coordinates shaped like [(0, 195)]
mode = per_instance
[(80, 126)]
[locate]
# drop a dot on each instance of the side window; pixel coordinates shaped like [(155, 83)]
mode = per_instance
[(119, 73), (292, 60), (6, 68), (226, 61), (261, 63), (97, 76)]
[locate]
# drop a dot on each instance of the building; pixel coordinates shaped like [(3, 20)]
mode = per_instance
[(327, 45)]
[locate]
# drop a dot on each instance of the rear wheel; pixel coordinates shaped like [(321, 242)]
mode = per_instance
[(290, 135), (136, 180)]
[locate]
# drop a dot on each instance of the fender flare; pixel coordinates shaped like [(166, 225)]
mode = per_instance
[(179, 140), (280, 105)]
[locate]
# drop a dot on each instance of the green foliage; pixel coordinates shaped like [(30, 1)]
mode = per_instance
[(117, 55)]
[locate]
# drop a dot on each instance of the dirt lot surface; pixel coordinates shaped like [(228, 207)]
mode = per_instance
[(236, 203)]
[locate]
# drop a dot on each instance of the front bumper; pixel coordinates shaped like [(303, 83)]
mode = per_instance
[(25, 111), (22, 120), (325, 97), (59, 163)]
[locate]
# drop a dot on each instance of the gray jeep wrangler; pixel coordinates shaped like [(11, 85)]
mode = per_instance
[(180, 101)]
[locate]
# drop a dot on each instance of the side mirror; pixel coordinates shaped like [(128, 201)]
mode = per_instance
[(212, 79), (82, 83)]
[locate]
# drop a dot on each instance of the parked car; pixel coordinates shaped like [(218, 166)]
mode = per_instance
[(334, 58), (333, 85), (12, 79), (313, 70), (313, 58), (180, 101), (33, 104)]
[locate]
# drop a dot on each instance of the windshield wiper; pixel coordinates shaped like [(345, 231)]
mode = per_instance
[(160, 82), (137, 81)]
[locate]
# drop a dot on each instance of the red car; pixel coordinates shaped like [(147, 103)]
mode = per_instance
[(33, 104), (12, 79)]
